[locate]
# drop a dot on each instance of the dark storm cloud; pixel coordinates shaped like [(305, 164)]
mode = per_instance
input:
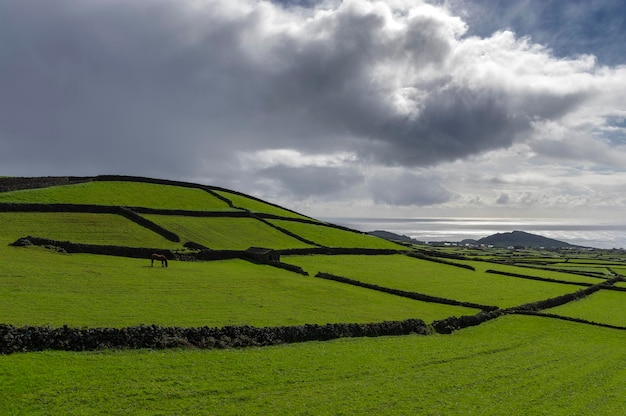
[(175, 88)]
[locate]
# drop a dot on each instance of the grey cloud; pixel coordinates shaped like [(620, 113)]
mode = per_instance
[(408, 189), (177, 88), (303, 182), (503, 199)]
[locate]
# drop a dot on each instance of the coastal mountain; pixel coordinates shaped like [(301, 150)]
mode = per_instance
[(514, 238), (522, 239)]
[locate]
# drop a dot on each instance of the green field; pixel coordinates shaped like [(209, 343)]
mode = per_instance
[(514, 365), (41, 287), (227, 233), (511, 365), (103, 229), (482, 266), (334, 237), (131, 194), (422, 276), (254, 205), (604, 307)]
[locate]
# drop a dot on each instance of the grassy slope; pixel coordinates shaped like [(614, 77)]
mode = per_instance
[(253, 205), (604, 307), (104, 229), (333, 237), (227, 233), (40, 287), (514, 365), (133, 194), (406, 273)]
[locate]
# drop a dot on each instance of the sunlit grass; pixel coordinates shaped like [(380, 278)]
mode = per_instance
[(604, 306), (334, 237), (515, 365), (102, 229), (133, 194), (414, 275), (253, 205), (40, 287), (227, 233)]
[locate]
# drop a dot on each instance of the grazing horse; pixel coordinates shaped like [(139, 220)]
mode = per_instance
[(159, 257)]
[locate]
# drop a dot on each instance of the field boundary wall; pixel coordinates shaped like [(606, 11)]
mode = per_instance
[(32, 338), (403, 293)]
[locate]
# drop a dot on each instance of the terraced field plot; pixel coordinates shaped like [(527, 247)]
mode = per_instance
[(132, 194), (514, 365), (531, 271), (103, 229), (604, 306), (254, 205), (414, 275), (334, 237), (227, 233), (42, 287)]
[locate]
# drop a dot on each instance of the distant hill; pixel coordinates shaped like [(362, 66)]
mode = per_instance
[(387, 235), (522, 239), (514, 238)]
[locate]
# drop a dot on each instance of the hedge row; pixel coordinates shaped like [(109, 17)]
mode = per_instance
[(19, 183), (133, 252), (563, 299), (541, 279), (93, 209), (422, 256), (451, 324), (133, 216), (568, 318), (404, 294), (338, 251), (435, 253), (210, 189), (31, 338)]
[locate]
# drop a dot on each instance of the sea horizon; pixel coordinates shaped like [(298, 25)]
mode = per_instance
[(586, 232)]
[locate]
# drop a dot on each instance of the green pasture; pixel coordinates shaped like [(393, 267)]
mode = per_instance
[(435, 279), (335, 237), (103, 229), (41, 287), (514, 365), (131, 194), (254, 205), (481, 266), (227, 233), (604, 306)]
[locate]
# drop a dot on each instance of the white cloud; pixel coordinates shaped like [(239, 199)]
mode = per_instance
[(388, 103)]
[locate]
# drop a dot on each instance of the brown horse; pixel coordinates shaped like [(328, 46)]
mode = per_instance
[(159, 257)]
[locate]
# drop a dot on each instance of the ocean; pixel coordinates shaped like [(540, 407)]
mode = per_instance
[(586, 232)]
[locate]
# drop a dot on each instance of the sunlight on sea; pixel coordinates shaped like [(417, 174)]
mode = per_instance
[(582, 232)]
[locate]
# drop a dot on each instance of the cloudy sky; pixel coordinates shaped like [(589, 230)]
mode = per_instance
[(404, 108)]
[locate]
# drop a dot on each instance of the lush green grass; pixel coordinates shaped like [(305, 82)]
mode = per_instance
[(410, 274), (40, 287), (105, 229), (227, 233), (481, 266), (334, 237), (515, 365), (253, 205), (605, 307), (133, 194)]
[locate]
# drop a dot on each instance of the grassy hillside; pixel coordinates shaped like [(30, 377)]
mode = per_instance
[(498, 363), (516, 365), (132, 194)]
